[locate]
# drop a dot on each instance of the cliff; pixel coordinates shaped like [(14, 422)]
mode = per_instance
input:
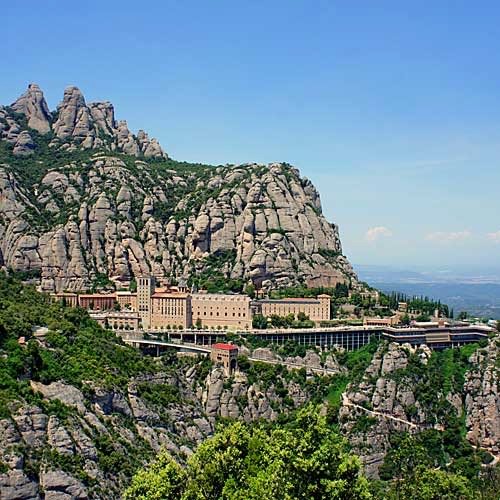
[(436, 396), (84, 201)]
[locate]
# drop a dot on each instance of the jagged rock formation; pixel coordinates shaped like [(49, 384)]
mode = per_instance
[(78, 214), (68, 446), (482, 402), (75, 125), (33, 106), (85, 442), (248, 402), (397, 394)]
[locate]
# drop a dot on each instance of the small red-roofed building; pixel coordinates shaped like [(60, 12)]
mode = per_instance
[(225, 355)]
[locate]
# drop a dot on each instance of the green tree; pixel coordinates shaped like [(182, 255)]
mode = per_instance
[(259, 321), (250, 291), (163, 479), (302, 316), (304, 459), (431, 484)]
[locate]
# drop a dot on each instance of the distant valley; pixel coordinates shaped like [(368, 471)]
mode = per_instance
[(476, 291)]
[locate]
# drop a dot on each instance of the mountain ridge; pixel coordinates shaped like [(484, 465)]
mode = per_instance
[(84, 202)]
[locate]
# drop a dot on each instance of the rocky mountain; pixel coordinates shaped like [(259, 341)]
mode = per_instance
[(439, 395), (87, 445), (84, 201), (74, 125), (80, 411)]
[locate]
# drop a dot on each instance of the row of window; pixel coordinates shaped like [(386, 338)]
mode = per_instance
[(240, 315)]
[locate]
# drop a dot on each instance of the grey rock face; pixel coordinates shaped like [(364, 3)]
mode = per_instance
[(67, 394), (59, 485), (24, 144), (78, 125), (93, 126), (32, 104), (264, 217), (104, 215), (235, 398), (388, 397), (482, 403), (15, 485), (73, 115)]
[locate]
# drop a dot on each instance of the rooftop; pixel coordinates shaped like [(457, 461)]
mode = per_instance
[(225, 347), (97, 295), (158, 295), (291, 300)]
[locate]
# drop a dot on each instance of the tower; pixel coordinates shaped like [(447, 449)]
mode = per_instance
[(145, 288), (324, 301)]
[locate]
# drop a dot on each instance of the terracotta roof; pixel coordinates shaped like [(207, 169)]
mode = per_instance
[(225, 347)]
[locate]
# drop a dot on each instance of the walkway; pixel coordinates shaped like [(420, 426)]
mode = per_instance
[(346, 402)]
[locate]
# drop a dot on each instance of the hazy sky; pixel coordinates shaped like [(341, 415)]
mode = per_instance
[(391, 108)]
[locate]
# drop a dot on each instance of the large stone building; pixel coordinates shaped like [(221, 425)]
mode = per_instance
[(145, 289), (316, 309), (118, 321), (170, 309), (214, 310), (174, 307), (97, 301), (126, 300)]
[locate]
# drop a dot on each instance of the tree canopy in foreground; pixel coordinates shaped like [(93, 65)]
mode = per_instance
[(304, 460)]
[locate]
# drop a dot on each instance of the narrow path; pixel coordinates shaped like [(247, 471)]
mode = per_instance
[(346, 402), (496, 458)]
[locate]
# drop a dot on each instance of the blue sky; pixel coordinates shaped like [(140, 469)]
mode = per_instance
[(391, 108)]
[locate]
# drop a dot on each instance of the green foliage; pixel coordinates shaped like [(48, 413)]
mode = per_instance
[(291, 348), (431, 484), (259, 322), (417, 305), (160, 395), (304, 459), (329, 254), (357, 361), (164, 479), (444, 372), (340, 290), (363, 424), (250, 291), (212, 277), (78, 349), (101, 281)]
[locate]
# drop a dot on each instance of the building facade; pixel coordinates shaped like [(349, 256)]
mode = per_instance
[(97, 301), (127, 300), (170, 309), (225, 355), (217, 310), (174, 307), (145, 289), (67, 298), (316, 309), (118, 321)]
